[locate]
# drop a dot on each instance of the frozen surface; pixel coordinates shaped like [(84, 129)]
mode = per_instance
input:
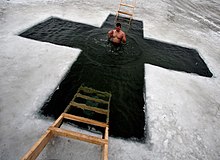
[(183, 110)]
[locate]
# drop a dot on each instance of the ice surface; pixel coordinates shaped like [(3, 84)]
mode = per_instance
[(183, 117)]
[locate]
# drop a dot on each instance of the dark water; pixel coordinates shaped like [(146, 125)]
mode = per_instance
[(119, 70)]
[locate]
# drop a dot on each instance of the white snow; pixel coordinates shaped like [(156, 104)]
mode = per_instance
[(183, 110)]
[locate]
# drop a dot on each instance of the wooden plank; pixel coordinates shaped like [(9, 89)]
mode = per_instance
[(38, 146), (105, 147), (106, 133), (58, 122), (107, 119), (84, 106), (91, 98), (105, 152), (78, 136), (90, 90), (127, 13), (67, 108), (84, 120), (127, 5)]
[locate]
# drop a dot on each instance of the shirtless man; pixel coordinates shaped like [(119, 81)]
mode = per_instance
[(117, 35)]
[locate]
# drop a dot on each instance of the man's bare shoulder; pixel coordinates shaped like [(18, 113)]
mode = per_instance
[(123, 33)]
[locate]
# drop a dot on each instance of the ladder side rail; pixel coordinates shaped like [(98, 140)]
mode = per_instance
[(36, 149), (105, 147)]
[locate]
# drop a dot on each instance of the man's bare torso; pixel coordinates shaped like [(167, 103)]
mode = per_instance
[(117, 36)]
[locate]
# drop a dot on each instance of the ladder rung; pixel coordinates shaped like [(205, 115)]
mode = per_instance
[(84, 120), (127, 5), (127, 13), (90, 90), (83, 106), (91, 98), (78, 136)]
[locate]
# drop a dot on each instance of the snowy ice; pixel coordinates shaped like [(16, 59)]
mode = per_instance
[(183, 110)]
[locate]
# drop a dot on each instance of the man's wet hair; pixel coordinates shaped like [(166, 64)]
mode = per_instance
[(118, 24)]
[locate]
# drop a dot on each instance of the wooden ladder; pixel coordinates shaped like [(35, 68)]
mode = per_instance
[(126, 7), (87, 94)]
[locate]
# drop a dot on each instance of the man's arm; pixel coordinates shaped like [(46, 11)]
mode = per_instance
[(110, 34), (124, 38)]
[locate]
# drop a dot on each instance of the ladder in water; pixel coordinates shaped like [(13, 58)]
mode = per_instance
[(126, 7), (87, 94)]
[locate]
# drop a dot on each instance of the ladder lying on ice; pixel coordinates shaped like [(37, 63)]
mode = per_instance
[(126, 7), (93, 97)]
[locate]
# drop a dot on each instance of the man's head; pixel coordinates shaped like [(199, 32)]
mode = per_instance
[(118, 27)]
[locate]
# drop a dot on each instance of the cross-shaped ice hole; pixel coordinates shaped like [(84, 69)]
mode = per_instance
[(119, 71)]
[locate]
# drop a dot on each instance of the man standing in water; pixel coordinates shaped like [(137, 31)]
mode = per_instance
[(117, 36)]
